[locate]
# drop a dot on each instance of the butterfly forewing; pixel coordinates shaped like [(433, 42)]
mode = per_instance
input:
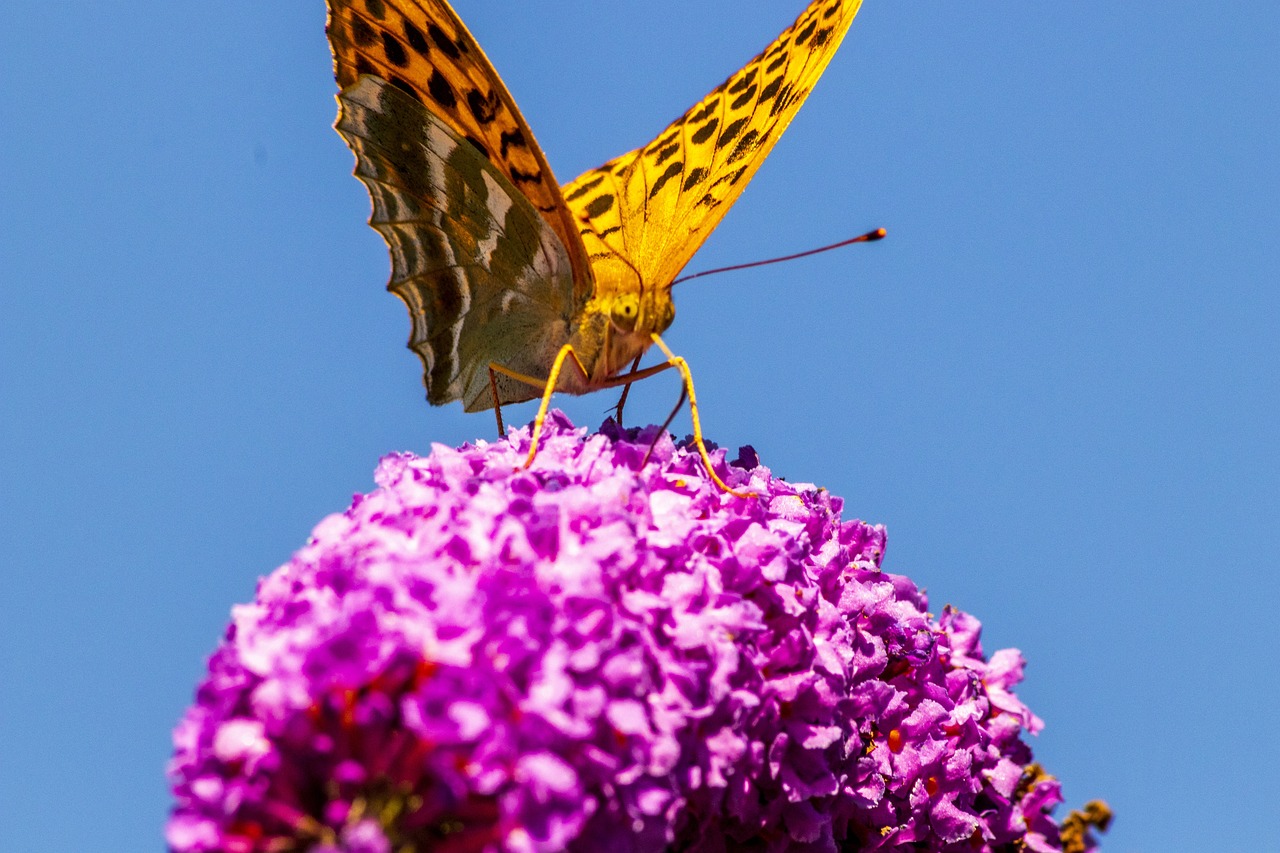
[(421, 47), (498, 267), (484, 276), (649, 210)]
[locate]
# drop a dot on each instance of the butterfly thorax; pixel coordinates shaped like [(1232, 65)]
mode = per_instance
[(615, 329)]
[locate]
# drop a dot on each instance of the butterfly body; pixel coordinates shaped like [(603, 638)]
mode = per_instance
[(504, 272), (618, 328)]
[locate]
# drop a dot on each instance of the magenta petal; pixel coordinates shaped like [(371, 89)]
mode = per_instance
[(600, 653)]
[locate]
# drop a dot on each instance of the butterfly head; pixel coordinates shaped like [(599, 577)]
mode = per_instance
[(618, 325), (641, 314)]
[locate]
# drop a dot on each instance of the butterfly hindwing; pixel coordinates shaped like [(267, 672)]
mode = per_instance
[(649, 210), (484, 276), (423, 48)]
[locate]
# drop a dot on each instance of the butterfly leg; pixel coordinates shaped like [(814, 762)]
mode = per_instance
[(673, 360), (626, 389), (566, 351), (675, 410), (497, 403), (547, 387), (680, 364)]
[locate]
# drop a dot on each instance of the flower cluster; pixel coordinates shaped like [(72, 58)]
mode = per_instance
[(602, 652)]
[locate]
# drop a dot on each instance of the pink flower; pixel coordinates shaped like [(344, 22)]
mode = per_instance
[(600, 653)]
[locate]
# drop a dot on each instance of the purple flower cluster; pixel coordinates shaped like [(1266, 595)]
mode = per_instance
[(604, 652)]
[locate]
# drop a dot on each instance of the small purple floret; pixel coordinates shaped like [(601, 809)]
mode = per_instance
[(601, 653)]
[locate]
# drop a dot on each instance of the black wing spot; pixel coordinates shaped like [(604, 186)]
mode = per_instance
[(485, 109), (518, 177), (662, 155), (673, 171), (512, 139), (805, 33), (364, 66), (664, 140), (440, 90), (404, 86), (746, 145), (361, 33), (776, 63), (731, 132), (376, 8), (702, 114), (585, 188), (705, 132), (743, 82), (448, 301), (731, 178), (600, 205), (821, 37), (447, 45), (743, 99), (695, 177), (394, 50), (786, 98), (771, 89), (416, 40)]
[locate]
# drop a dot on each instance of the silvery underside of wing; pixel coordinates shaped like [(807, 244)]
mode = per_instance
[(486, 280)]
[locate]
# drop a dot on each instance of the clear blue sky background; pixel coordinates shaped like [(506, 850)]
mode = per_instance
[(1056, 382)]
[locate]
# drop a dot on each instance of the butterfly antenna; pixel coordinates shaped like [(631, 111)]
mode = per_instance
[(869, 237)]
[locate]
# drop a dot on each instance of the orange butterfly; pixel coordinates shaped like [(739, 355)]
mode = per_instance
[(508, 276)]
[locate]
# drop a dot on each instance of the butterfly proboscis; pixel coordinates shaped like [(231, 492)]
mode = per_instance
[(634, 375)]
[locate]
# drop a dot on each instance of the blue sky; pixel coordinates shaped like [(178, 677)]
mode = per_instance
[(1056, 382)]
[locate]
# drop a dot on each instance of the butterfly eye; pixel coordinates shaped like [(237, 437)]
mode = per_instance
[(668, 315), (624, 313)]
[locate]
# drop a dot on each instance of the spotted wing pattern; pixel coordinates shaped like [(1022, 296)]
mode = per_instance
[(485, 277), (423, 48), (649, 210), (497, 265)]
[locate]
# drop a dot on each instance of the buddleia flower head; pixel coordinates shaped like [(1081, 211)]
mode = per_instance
[(602, 652)]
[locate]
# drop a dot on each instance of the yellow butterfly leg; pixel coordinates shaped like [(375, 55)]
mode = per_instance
[(565, 352), (673, 360), (548, 387), (683, 366)]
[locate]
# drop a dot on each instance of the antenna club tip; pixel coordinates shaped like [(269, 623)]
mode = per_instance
[(878, 234)]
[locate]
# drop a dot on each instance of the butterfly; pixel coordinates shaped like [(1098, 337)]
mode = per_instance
[(516, 286)]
